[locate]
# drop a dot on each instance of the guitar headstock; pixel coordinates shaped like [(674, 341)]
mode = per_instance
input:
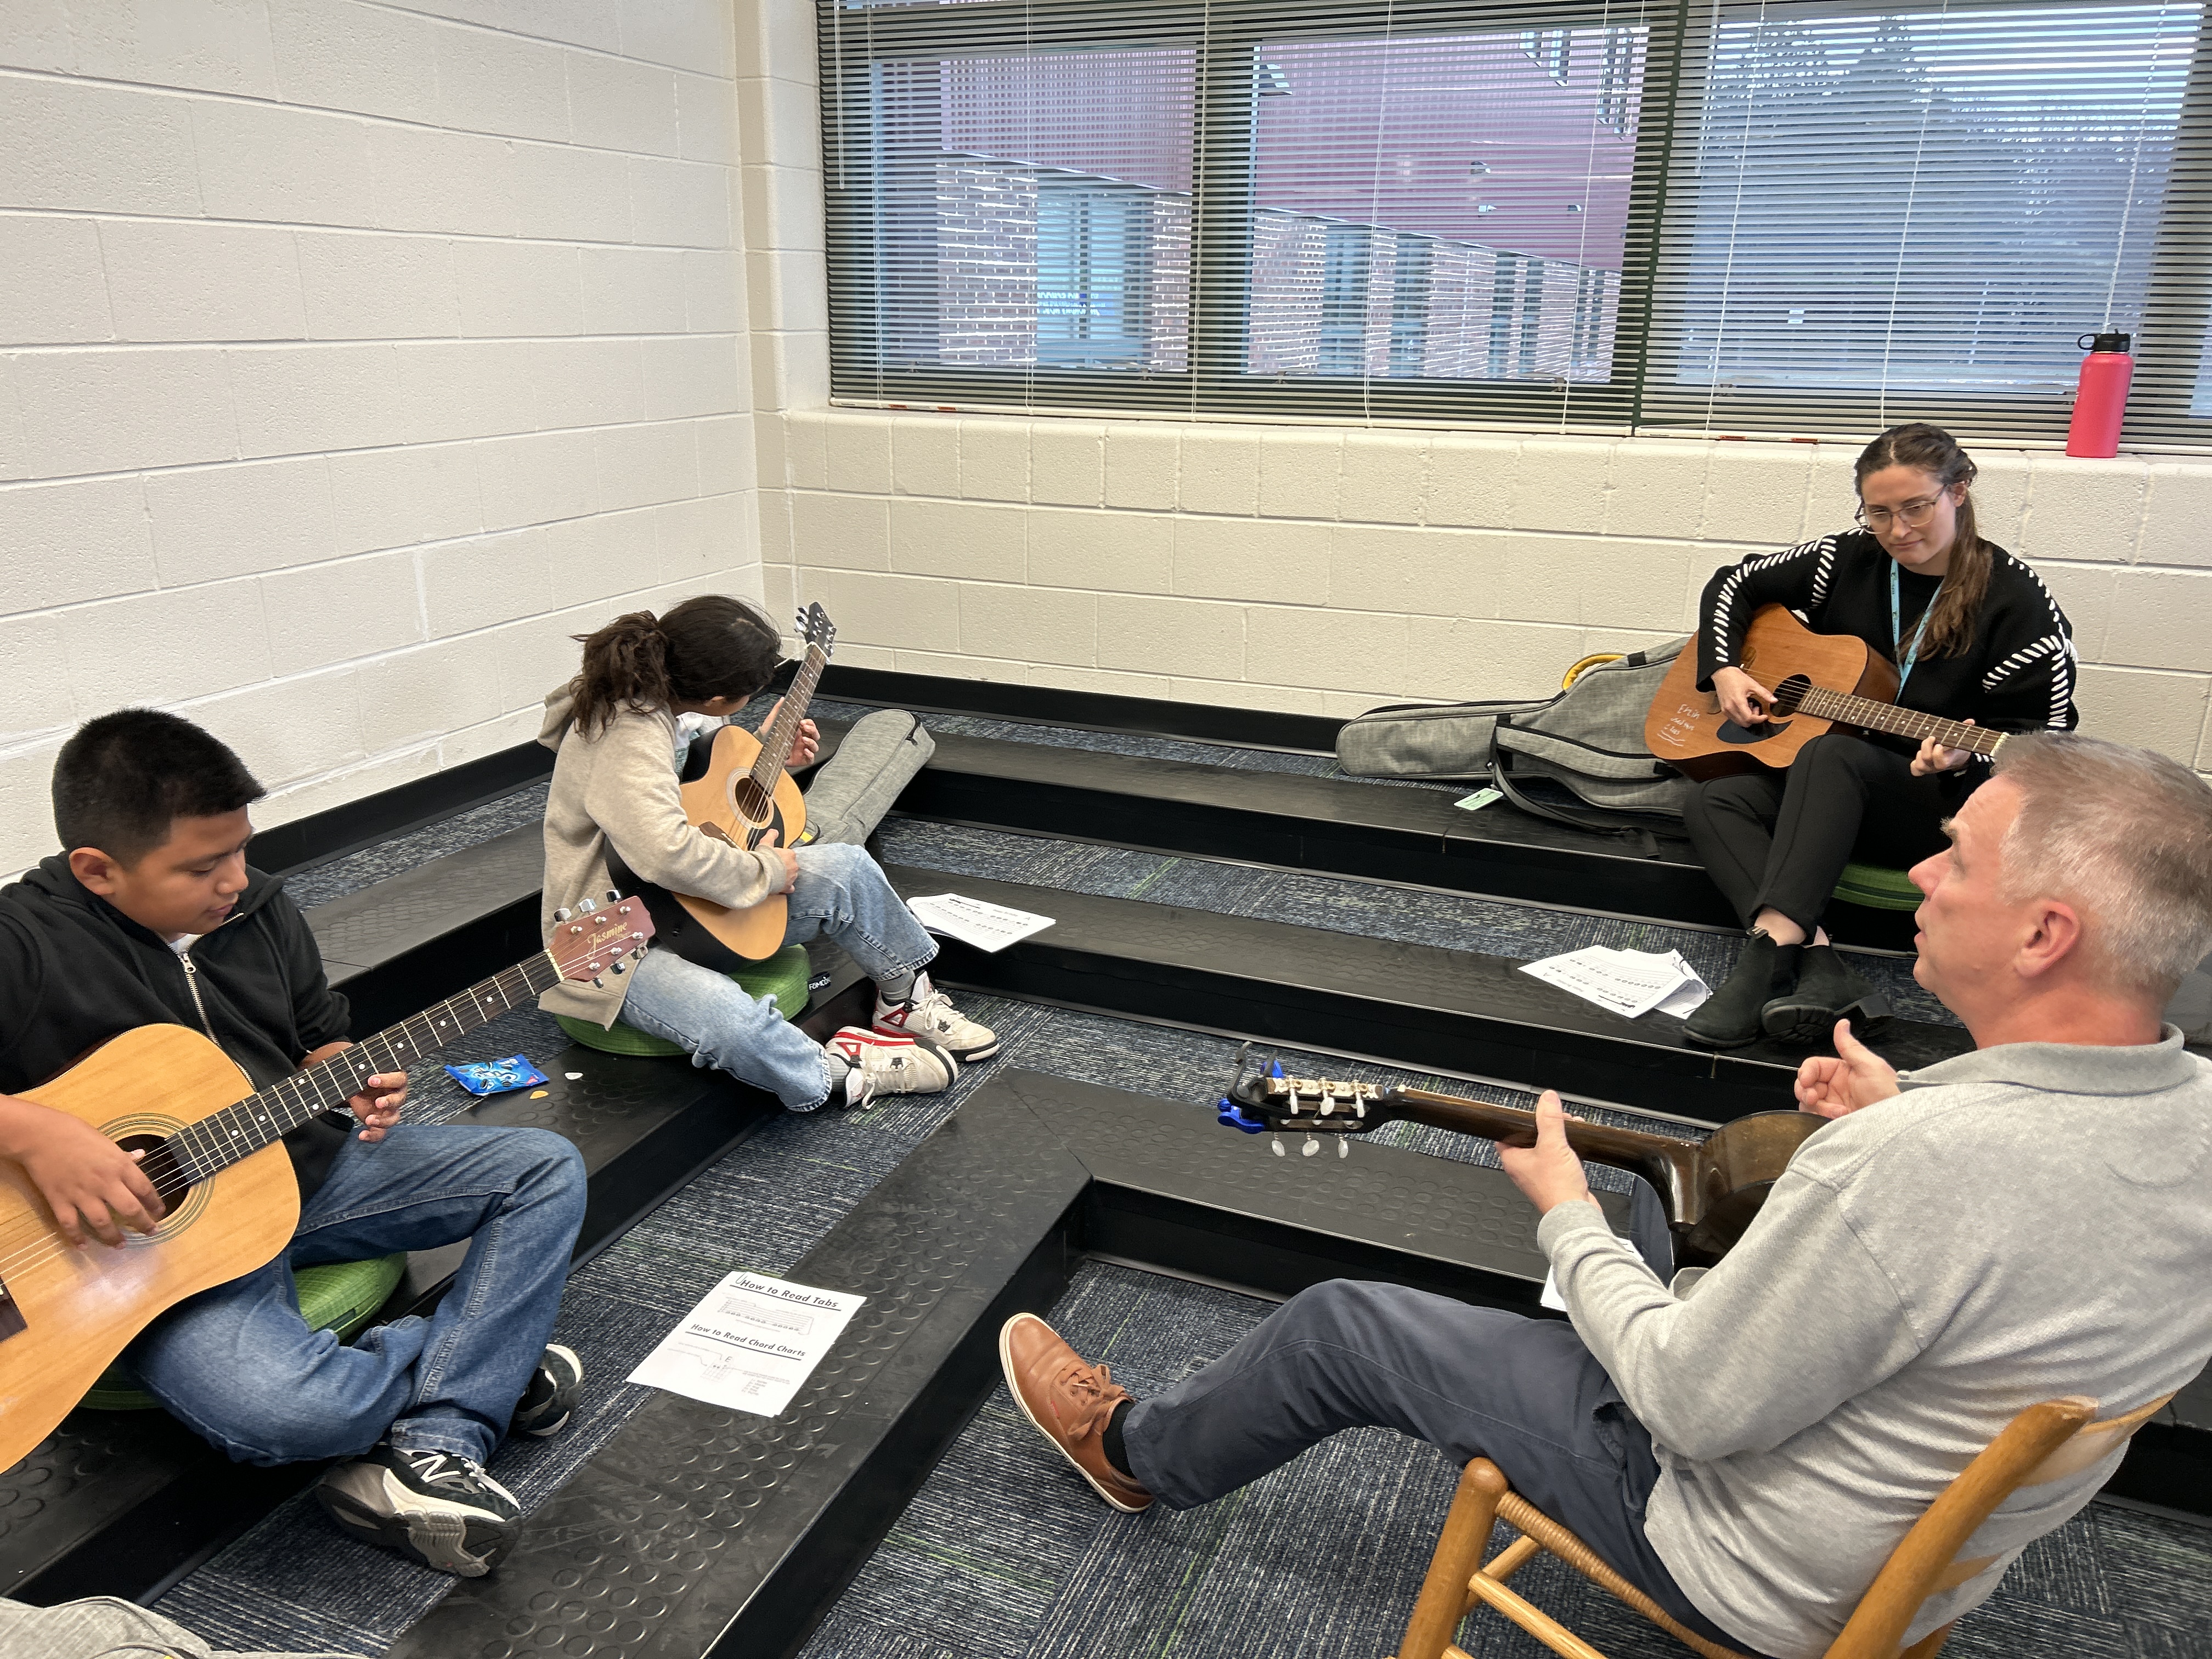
[(816, 631), (1263, 1097), (600, 936)]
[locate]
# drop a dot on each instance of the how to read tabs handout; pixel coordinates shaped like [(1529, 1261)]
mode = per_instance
[(750, 1344)]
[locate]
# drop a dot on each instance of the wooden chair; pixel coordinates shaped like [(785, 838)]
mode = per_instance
[(2044, 1442)]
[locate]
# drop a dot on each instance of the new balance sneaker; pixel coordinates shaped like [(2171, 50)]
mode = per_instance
[(437, 1506), (878, 1065), (549, 1401), (927, 1012)]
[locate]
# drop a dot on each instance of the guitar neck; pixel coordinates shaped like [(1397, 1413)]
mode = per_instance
[(221, 1139), (1840, 706), (775, 743), (1660, 1159)]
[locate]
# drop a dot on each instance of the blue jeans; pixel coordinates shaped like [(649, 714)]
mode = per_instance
[(239, 1365), (841, 895), (1472, 1382)]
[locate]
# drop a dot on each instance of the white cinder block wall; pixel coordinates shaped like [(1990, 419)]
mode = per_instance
[(351, 357), (1324, 570)]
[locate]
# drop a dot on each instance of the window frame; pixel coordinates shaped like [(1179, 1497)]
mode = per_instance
[(1224, 36)]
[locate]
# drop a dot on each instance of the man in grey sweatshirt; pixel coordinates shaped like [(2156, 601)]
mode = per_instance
[(2027, 1221)]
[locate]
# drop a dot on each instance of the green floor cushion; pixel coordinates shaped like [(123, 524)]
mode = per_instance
[(782, 978), (1879, 889), (339, 1296)]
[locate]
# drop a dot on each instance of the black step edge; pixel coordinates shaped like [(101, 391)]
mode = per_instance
[(1333, 826), (748, 1528), (1416, 1005), (1094, 711), (337, 830)]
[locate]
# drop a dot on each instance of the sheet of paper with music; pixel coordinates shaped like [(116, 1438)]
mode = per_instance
[(974, 921), (1628, 983)]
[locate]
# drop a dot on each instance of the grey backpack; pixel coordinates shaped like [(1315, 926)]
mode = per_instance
[(847, 797), (1578, 756)]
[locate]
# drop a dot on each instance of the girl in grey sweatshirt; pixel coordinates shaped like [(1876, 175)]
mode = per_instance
[(614, 819)]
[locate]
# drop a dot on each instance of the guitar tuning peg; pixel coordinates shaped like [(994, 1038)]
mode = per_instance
[(619, 968), (585, 904), (1344, 1145), (1275, 1146), (1312, 1146), (598, 985), (613, 897), (560, 915)]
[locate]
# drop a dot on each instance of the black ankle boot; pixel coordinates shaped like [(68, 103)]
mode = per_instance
[(1730, 1016), (1826, 991)]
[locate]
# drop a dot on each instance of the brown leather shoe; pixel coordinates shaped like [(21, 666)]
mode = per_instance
[(1070, 1402)]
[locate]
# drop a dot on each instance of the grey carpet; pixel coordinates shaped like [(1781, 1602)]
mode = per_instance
[(335, 878)]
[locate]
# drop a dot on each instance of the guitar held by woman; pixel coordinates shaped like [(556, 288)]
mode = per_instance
[(1975, 638)]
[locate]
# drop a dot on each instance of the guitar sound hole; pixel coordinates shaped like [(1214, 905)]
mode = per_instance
[(754, 804), (159, 1166)]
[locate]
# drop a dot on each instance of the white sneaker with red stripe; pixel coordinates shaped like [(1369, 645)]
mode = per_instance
[(876, 1064), (928, 1014)]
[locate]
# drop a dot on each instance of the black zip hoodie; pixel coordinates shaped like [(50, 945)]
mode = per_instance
[(75, 971)]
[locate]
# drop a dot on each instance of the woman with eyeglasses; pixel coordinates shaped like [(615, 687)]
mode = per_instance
[(1976, 637)]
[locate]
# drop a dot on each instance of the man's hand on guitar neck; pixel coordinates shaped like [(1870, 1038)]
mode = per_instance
[(1549, 1173), (1742, 698), (378, 1105), (90, 1183), (1856, 1077)]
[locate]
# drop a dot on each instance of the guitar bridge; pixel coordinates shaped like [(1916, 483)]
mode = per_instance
[(12, 1322)]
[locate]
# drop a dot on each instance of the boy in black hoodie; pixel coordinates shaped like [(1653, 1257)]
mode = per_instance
[(152, 916)]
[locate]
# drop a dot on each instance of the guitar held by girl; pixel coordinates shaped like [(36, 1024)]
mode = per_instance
[(622, 730)]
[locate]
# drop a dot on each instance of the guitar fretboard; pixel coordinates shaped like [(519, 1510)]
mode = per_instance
[(1824, 704), (775, 745), (221, 1139)]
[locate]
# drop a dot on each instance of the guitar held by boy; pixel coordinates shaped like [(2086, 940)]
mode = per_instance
[(213, 1153)]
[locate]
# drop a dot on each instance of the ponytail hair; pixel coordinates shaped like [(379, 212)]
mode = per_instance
[(705, 647), (1958, 604)]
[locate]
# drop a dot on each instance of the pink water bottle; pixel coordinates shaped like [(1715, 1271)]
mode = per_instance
[(2103, 398)]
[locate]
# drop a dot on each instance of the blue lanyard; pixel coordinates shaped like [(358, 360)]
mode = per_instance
[(1897, 632)]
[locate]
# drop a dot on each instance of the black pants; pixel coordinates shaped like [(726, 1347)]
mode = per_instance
[(1783, 838)]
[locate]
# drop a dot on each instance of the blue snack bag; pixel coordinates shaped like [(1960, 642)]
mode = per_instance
[(495, 1077)]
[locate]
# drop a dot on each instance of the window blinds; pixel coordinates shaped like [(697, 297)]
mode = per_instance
[(1814, 218), (1883, 214)]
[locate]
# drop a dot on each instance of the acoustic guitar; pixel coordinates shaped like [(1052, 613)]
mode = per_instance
[(212, 1153), (745, 794), (1819, 682), (1711, 1188)]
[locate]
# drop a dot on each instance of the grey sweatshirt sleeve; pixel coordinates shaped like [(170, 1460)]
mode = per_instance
[(1795, 1320), (632, 795)]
